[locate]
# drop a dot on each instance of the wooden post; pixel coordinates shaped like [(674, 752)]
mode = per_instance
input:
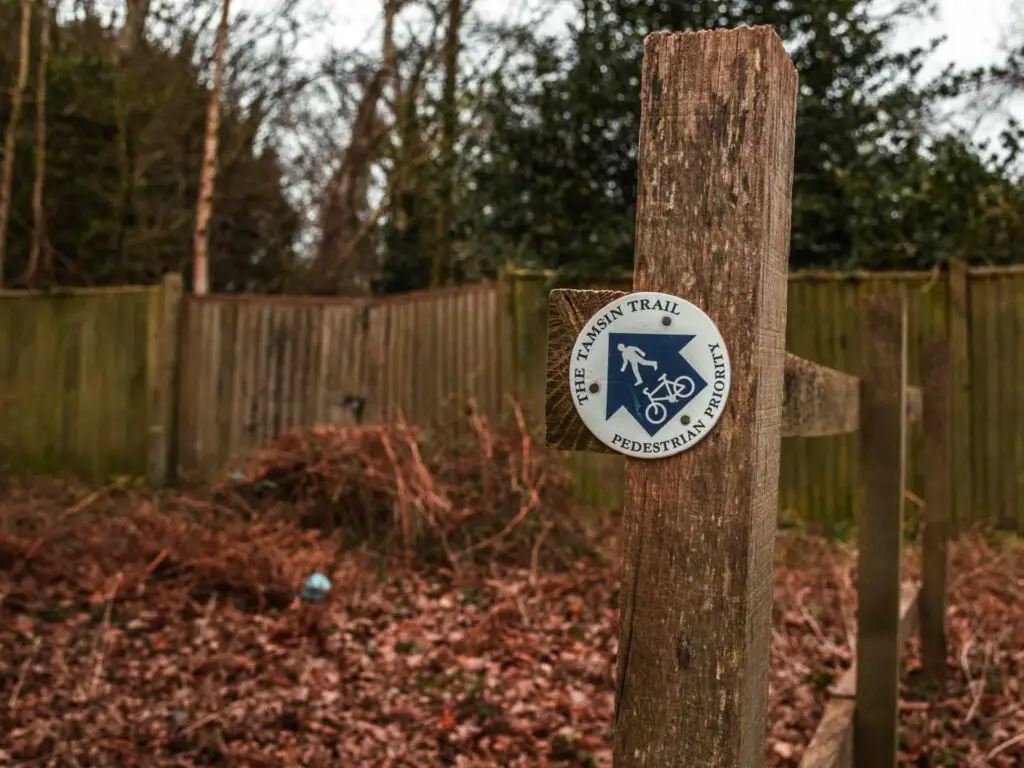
[(718, 112), (163, 377), (958, 299), (883, 438), (938, 495)]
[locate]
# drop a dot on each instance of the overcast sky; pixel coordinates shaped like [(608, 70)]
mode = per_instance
[(972, 26)]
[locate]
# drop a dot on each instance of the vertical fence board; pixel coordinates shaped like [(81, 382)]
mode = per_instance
[(960, 337), (882, 435), (1015, 463), (935, 537)]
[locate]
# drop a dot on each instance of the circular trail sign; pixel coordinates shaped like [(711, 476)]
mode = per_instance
[(650, 375)]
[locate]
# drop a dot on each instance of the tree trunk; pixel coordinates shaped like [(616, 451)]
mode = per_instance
[(130, 35), (129, 38), (441, 269), (200, 263), (39, 239), (11, 134)]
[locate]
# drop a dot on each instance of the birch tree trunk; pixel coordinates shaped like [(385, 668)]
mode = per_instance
[(200, 259), (11, 133)]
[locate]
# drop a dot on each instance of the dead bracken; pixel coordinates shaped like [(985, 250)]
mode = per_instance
[(166, 630)]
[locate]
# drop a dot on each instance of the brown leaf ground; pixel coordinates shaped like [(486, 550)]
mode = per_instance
[(141, 631)]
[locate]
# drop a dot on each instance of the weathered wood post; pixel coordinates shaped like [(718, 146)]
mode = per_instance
[(938, 501), (883, 439), (961, 389), (712, 228), (161, 375)]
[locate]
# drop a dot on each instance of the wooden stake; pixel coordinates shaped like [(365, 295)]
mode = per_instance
[(959, 301), (938, 498), (713, 218), (883, 437)]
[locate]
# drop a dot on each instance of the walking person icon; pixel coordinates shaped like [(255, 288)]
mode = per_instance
[(634, 358)]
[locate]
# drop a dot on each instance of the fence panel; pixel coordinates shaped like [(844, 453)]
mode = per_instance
[(818, 482), (75, 369), (74, 378), (996, 343), (253, 367)]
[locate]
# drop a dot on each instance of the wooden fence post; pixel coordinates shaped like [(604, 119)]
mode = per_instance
[(958, 300), (938, 495), (163, 378), (713, 217), (883, 439)]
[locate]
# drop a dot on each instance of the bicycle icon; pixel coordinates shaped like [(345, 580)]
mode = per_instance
[(666, 391)]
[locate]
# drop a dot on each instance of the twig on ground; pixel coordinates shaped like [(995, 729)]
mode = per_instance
[(23, 674), (1008, 744), (100, 640)]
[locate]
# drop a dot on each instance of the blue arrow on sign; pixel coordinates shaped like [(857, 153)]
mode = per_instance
[(650, 378)]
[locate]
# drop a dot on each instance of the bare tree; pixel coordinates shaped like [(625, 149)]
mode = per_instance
[(130, 35), (11, 133), (402, 144), (39, 239), (343, 261), (200, 264)]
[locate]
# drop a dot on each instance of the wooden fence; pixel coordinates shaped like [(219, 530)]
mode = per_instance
[(859, 726), (80, 372), (980, 311), (253, 366)]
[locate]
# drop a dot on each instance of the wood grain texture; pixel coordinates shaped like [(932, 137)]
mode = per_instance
[(937, 510), (713, 217), (817, 401), (883, 437), (568, 312), (832, 745)]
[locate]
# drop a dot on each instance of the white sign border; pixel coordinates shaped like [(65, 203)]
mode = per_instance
[(591, 405)]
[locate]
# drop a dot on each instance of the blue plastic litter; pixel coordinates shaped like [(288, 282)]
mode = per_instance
[(317, 587)]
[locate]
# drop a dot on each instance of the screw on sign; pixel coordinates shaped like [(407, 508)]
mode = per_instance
[(685, 378)]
